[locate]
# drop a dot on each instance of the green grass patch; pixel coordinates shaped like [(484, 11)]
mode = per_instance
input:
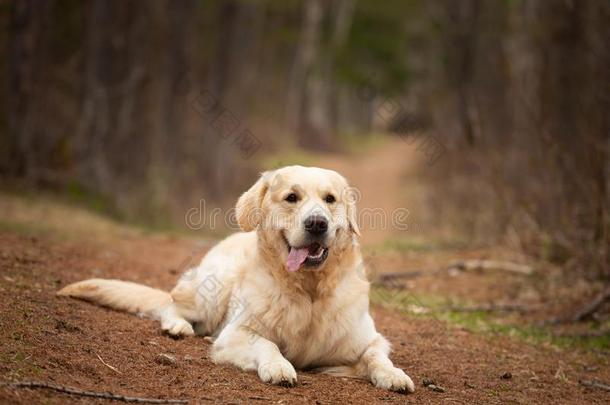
[(24, 229), (95, 202), (483, 322), (63, 217)]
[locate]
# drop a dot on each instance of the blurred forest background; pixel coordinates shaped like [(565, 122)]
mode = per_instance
[(151, 106)]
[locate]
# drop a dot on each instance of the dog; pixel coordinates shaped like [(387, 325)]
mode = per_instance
[(287, 293)]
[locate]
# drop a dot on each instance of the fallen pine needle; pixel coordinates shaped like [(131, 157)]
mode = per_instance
[(116, 370), (103, 395)]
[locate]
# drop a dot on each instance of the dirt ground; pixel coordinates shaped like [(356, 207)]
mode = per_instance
[(44, 246), (46, 338)]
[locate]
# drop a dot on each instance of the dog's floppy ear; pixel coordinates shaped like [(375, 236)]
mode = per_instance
[(351, 196), (248, 209)]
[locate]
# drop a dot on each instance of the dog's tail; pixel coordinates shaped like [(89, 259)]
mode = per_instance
[(122, 295)]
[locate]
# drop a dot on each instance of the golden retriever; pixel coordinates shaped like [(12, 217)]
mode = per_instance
[(288, 292)]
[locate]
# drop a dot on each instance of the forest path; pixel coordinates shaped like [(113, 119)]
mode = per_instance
[(70, 342), (382, 176)]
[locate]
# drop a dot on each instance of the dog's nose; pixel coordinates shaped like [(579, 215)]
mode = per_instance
[(316, 225)]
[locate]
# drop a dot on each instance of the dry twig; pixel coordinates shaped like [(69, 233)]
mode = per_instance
[(479, 264), (595, 384), (385, 277), (492, 308), (92, 394), (588, 310), (116, 370), (467, 265)]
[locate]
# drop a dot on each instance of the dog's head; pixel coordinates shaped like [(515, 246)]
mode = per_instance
[(304, 214)]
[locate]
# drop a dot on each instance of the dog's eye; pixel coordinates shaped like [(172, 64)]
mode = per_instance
[(329, 199), (291, 198)]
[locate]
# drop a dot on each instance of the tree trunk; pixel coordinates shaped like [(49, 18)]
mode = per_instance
[(91, 139), (308, 101), (342, 16), (26, 61), (219, 152)]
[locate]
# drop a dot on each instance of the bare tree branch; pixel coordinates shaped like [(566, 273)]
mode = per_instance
[(588, 310), (92, 394), (492, 307), (595, 384), (467, 265), (479, 264)]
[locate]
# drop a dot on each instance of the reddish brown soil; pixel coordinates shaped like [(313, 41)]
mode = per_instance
[(46, 338)]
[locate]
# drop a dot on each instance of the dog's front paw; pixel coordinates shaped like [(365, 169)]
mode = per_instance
[(393, 379), (178, 327), (278, 372)]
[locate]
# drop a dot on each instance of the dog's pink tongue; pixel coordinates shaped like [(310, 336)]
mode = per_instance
[(296, 257)]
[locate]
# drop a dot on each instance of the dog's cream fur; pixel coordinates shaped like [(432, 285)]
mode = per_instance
[(262, 316)]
